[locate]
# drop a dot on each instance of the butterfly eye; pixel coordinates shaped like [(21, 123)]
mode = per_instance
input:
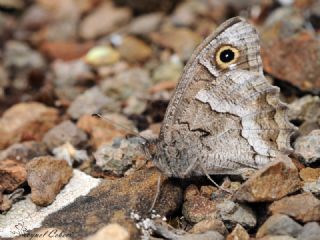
[(226, 55)]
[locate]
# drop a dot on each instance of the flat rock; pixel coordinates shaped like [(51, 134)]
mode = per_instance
[(119, 156), (310, 231), (309, 146), (90, 102), (46, 177), (272, 182), (64, 132), (26, 121), (238, 233), (114, 201), (232, 213), (95, 25), (25, 151), (279, 225), (12, 174), (302, 207), (103, 131)]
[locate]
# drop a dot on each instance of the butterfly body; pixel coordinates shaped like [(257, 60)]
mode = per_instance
[(224, 115)]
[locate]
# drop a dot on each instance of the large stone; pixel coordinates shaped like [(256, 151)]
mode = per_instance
[(279, 225), (270, 183), (63, 133), (46, 177), (26, 121), (302, 207), (310, 231), (303, 45), (12, 175)]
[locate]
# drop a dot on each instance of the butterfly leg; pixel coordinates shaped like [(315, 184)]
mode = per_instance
[(214, 183), (157, 194)]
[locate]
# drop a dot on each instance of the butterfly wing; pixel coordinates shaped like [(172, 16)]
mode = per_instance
[(224, 115)]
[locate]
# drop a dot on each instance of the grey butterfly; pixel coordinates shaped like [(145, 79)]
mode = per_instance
[(224, 116)]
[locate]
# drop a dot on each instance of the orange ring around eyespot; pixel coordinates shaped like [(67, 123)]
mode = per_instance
[(220, 63)]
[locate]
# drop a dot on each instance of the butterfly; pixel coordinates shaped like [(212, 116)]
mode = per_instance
[(224, 116)]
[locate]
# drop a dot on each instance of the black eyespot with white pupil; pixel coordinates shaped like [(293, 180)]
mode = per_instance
[(227, 55)]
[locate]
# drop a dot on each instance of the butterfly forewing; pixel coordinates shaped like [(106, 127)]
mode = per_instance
[(224, 114)]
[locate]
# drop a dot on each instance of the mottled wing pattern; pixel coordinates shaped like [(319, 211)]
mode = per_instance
[(222, 119)]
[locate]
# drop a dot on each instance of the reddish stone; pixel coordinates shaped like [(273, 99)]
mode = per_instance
[(66, 50), (303, 47), (302, 207), (46, 177), (12, 175)]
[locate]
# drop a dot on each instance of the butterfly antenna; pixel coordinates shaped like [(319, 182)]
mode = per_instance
[(129, 131)]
